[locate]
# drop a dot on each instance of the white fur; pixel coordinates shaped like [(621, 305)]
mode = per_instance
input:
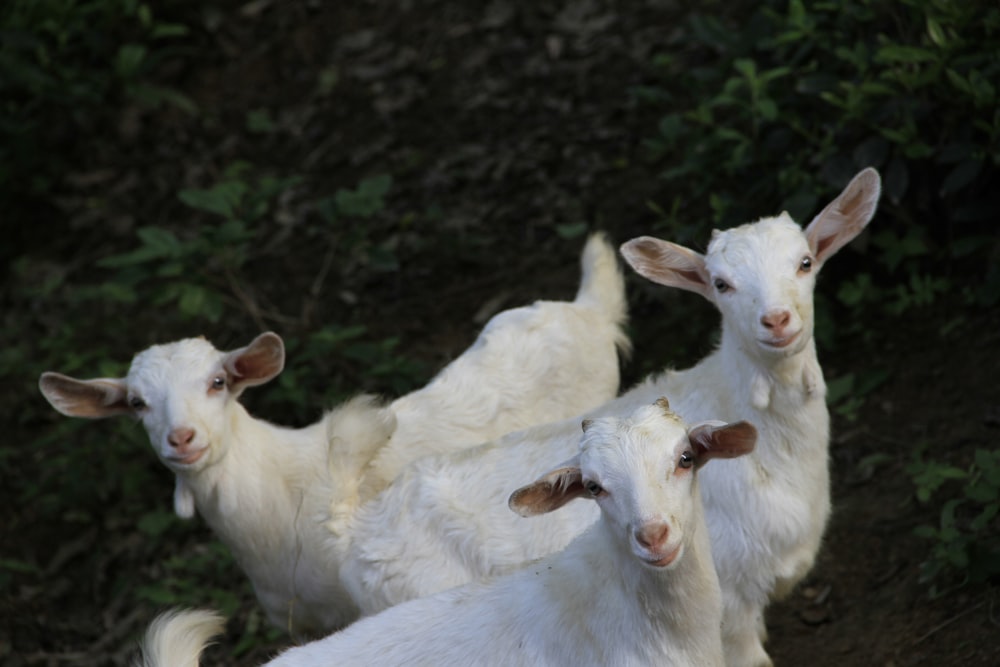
[(177, 638), (441, 523), (282, 499), (636, 588), (529, 365)]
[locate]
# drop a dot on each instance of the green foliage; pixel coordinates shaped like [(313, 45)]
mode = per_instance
[(259, 121), (571, 231), (846, 394), (362, 203), (775, 105), (965, 545), (62, 62), (381, 363), (179, 583), (202, 272), (189, 272), (11, 566)]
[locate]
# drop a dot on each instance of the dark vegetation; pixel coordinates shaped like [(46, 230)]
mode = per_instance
[(373, 179)]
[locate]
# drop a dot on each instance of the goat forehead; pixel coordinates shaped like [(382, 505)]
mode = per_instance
[(649, 439), (758, 245), (173, 366)]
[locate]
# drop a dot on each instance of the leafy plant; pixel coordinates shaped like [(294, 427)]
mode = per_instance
[(776, 104), (363, 202), (191, 271), (965, 545), (63, 63), (345, 212), (847, 393), (180, 581)]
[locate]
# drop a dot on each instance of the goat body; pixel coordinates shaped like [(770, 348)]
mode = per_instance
[(530, 365), (439, 524), (636, 588), (283, 499)]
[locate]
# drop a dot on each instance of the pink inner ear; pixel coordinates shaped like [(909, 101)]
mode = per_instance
[(693, 276), (234, 367), (727, 441), (258, 362), (548, 493), (668, 264), (852, 207), (92, 399), (822, 244), (243, 366), (845, 217)]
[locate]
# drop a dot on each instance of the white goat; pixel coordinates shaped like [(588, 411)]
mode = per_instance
[(275, 495), (637, 588), (438, 525)]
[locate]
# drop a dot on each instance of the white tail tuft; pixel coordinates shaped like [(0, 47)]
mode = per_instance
[(176, 638), (603, 284)]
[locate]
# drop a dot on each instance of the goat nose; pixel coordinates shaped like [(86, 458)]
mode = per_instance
[(776, 320), (652, 535), (180, 437)]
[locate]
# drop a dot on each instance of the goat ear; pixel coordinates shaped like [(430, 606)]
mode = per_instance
[(92, 399), (846, 216), (718, 440), (550, 491), (668, 264), (257, 363)]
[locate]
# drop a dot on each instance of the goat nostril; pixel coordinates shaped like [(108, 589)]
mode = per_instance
[(778, 320), (652, 536), (180, 437)]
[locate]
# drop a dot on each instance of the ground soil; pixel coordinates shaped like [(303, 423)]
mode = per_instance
[(518, 117)]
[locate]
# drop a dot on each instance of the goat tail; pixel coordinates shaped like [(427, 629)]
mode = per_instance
[(177, 637), (602, 284)]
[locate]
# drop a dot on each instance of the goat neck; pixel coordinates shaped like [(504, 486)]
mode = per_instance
[(682, 603), (796, 376)]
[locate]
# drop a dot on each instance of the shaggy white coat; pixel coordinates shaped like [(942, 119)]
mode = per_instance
[(442, 523), (283, 499), (635, 588)]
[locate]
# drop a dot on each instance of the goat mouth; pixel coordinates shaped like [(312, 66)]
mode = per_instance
[(779, 343), (668, 559), (187, 459)]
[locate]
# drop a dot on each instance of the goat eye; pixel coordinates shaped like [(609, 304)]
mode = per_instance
[(593, 488), (806, 265), (219, 382), (686, 460), (721, 285), (136, 403)]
